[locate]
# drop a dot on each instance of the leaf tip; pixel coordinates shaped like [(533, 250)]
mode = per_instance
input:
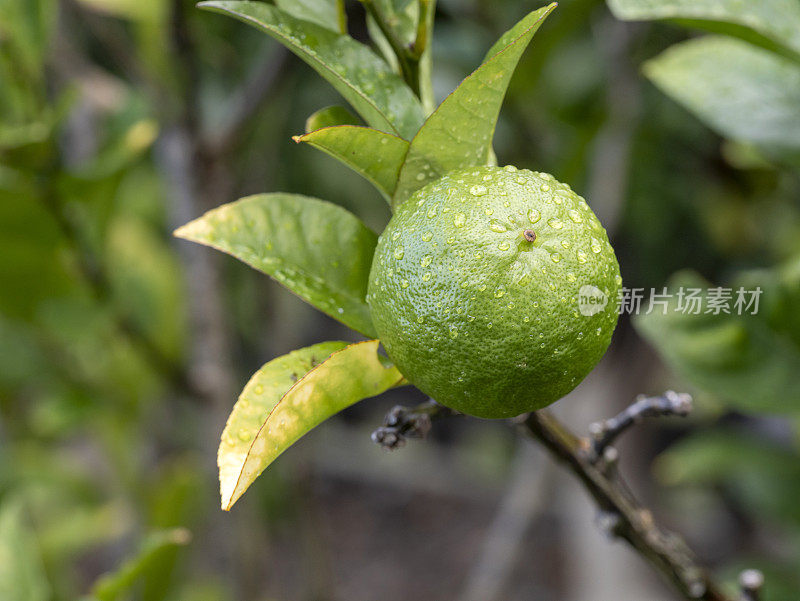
[(183, 231), (297, 139), (229, 497)]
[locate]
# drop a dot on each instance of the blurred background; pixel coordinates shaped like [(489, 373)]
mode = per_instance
[(122, 350)]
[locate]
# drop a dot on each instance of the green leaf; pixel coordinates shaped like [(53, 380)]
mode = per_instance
[(774, 24), (401, 18), (745, 360), (321, 12), (22, 576), (459, 132), (741, 91), (331, 116), (288, 397), (375, 155), (113, 586), (318, 250), (378, 94)]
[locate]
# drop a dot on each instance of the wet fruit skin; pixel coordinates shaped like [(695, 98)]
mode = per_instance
[(474, 290)]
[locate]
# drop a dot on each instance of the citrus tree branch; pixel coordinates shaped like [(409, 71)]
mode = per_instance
[(621, 515), (592, 462), (604, 433)]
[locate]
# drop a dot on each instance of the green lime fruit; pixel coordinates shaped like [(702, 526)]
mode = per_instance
[(494, 290)]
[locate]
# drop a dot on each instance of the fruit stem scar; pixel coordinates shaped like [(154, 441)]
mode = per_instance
[(529, 235)]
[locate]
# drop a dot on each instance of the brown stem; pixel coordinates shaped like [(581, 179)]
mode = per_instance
[(620, 514), (623, 516), (604, 433)]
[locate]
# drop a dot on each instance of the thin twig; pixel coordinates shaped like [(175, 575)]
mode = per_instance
[(404, 422), (604, 433), (619, 514)]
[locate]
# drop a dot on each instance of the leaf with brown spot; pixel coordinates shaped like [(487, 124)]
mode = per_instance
[(276, 408)]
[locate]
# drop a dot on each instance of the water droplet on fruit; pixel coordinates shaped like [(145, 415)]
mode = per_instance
[(555, 223), (534, 215), (488, 211), (566, 243), (510, 168), (504, 246), (555, 257), (521, 181), (426, 237), (432, 212), (477, 190), (453, 332), (575, 216), (571, 277), (426, 260), (596, 245), (501, 290), (460, 220), (427, 276), (497, 226), (420, 177), (545, 188), (404, 284), (398, 253)]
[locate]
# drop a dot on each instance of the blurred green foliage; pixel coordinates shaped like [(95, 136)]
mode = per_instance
[(744, 85), (104, 449)]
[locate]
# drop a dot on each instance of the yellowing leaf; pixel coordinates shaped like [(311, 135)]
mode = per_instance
[(288, 397)]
